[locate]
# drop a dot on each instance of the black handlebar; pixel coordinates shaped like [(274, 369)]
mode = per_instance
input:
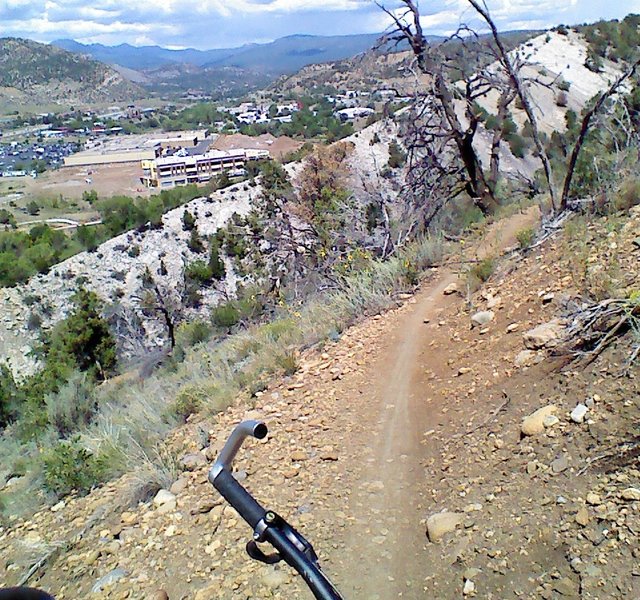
[(267, 526)]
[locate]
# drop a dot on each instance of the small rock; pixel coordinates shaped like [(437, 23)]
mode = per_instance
[(632, 494), (211, 591), (526, 358), (482, 318), (550, 421), (582, 516), (543, 336), (298, 456), (161, 595), (163, 497), (328, 453), (109, 579), (193, 461), (59, 506), (534, 423), (179, 486), (547, 298), (513, 327), (578, 413), (440, 524), (452, 288), (593, 499), (274, 578), (469, 587), (566, 587), (560, 464)]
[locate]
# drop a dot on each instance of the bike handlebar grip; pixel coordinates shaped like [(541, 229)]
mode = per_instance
[(247, 507)]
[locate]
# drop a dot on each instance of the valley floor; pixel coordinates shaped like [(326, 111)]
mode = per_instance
[(408, 414)]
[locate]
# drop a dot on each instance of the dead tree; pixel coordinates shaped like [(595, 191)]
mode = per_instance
[(518, 86), (584, 130), (431, 62)]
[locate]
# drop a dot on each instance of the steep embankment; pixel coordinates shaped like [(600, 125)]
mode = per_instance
[(409, 413)]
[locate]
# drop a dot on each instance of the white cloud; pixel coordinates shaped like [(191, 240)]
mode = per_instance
[(216, 23)]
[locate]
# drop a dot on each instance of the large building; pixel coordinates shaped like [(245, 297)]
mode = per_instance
[(136, 148), (182, 167)]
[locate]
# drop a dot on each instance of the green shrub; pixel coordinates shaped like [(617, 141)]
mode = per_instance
[(397, 156), (629, 195), (199, 272), (225, 316), (525, 237), (69, 466), (480, 272), (288, 362), (562, 99)]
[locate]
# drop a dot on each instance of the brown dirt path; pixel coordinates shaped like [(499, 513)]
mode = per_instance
[(386, 545)]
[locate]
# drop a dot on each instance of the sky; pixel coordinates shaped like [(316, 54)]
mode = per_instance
[(206, 24)]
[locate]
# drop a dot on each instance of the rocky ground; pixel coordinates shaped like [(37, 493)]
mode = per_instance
[(433, 451)]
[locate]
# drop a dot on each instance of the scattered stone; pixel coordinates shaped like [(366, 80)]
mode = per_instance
[(543, 336), (513, 327), (109, 579), (211, 591), (550, 421), (179, 486), (547, 298), (482, 318), (526, 358), (452, 288), (534, 423), (582, 516), (440, 524), (193, 461), (560, 464), (161, 595), (274, 578), (593, 499), (59, 506), (469, 587), (566, 587), (163, 497), (578, 413), (328, 453), (298, 456), (632, 494)]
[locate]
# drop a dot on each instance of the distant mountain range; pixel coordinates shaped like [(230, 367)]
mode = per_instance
[(31, 72), (284, 55)]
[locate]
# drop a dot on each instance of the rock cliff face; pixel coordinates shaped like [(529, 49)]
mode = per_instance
[(114, 272)]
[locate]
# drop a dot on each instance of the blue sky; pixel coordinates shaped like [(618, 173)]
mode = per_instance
[(217, 23)]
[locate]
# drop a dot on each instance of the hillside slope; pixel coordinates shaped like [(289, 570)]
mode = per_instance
[(409, 413), (43, 73)]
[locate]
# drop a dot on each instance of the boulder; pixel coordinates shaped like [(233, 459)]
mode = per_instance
[(534, 423), (544, 336), (440, 524)]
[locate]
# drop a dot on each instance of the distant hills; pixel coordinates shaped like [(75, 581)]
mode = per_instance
[(40, 73), (284, 55)]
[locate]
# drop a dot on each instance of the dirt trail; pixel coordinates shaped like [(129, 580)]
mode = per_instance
[(388, 541)]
